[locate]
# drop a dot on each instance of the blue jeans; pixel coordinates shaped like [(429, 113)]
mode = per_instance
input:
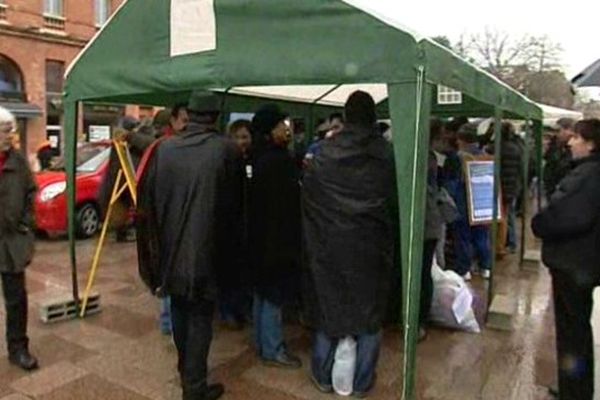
[(268, 329), (166, 326), (511, 242), (367, 355), (469, 239)]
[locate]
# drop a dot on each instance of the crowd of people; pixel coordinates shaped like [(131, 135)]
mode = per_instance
[(272, 234), (237, 224)]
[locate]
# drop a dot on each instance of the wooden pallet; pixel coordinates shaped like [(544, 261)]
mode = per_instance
[(63, 308)]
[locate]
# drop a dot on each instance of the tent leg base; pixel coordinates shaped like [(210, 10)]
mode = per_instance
[(501, 313), (63, 308)]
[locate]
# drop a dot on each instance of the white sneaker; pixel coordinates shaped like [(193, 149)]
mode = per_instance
[(467, 277), (485, 273)]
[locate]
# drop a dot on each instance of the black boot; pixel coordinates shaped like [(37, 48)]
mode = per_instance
[(24, 360), (212, 392)]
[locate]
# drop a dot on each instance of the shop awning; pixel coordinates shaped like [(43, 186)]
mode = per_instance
[(22, 110)]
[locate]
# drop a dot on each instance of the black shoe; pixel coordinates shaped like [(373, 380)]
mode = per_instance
[(23, 360), (321, 387), (285, 360), (364, 394), (214, 392)]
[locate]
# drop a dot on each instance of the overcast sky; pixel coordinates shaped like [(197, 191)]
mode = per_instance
[(574, 24)]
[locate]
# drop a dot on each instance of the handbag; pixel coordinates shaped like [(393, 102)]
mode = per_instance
[(447, 206)]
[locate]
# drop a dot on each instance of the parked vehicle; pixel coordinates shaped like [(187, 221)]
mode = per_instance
[(51, 200)]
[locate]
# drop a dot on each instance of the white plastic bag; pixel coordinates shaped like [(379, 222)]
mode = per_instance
[(344, 365), (452, 301)]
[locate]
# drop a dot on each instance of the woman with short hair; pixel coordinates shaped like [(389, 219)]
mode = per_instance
[(570, 230)]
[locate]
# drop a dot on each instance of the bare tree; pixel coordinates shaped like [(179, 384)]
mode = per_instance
[(529, 64), (499, 53)]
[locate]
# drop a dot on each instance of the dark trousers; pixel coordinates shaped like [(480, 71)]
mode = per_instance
[(192, 333), (574, 338), (426, 280), (469, 239), (15, 303), (367, 355)]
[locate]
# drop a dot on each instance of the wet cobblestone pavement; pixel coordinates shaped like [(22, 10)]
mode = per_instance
[(120, 353)]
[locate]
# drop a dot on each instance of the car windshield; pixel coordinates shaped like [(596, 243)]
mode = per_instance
[(89, 159)]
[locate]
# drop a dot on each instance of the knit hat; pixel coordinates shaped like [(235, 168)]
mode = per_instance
[(128, 123), (204, 102), (267, 118), (468, 132)]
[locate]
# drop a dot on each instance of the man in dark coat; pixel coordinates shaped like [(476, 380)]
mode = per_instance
[(349, 242), (511, 181), (138, 138), (187, 215), (17, 191), (558, 157), (274, 233)]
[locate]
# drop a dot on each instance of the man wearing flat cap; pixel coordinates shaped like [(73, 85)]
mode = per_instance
[(187, 212)]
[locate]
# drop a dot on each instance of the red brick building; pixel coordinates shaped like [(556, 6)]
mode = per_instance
[(38, 40)]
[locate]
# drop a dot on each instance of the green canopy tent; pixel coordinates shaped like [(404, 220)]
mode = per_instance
[(157, 51)]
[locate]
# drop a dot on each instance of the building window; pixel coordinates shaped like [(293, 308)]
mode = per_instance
[(54, 14), (448, 95), (53, 8), (55, 71), (3, 7), (102, 8), (11, 81)]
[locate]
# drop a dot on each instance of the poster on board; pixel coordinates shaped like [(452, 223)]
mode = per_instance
[(98, 133), (480, 192)]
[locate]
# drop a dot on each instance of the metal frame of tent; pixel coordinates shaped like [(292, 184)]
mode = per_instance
[(313, 47)]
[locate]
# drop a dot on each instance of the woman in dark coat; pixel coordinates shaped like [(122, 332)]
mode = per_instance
[(17, 191), (274, 233), (570, 230)]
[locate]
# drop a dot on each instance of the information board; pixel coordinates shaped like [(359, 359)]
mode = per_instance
[(480, 192)]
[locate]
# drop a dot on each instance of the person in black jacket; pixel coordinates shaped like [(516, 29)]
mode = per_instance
[(274, 233), (558, 156), (349, 237), (17, 192), (511, 181), (570, 230), (188, 234)]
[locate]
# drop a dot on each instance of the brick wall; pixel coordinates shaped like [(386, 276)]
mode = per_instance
[(26, 40)]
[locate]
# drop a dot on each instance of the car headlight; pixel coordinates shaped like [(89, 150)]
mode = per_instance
[(53, 190)]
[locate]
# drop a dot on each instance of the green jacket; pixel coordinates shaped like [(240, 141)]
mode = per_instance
[(17, 191)]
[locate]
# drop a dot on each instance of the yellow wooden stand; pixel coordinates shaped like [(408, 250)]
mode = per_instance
[(125, 180)]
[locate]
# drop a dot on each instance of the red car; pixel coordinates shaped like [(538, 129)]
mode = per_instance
[(51, 200)]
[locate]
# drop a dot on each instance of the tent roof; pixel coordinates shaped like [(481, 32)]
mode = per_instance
[(552, 114), (155, 51)]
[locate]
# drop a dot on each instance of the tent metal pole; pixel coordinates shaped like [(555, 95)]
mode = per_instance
[(538, 132), (525, 192), (70, 132), (410, 105), (498, 114), (222, 110), (311, 128)]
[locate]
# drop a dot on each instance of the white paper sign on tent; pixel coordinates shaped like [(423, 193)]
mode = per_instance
[(193, 27)]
